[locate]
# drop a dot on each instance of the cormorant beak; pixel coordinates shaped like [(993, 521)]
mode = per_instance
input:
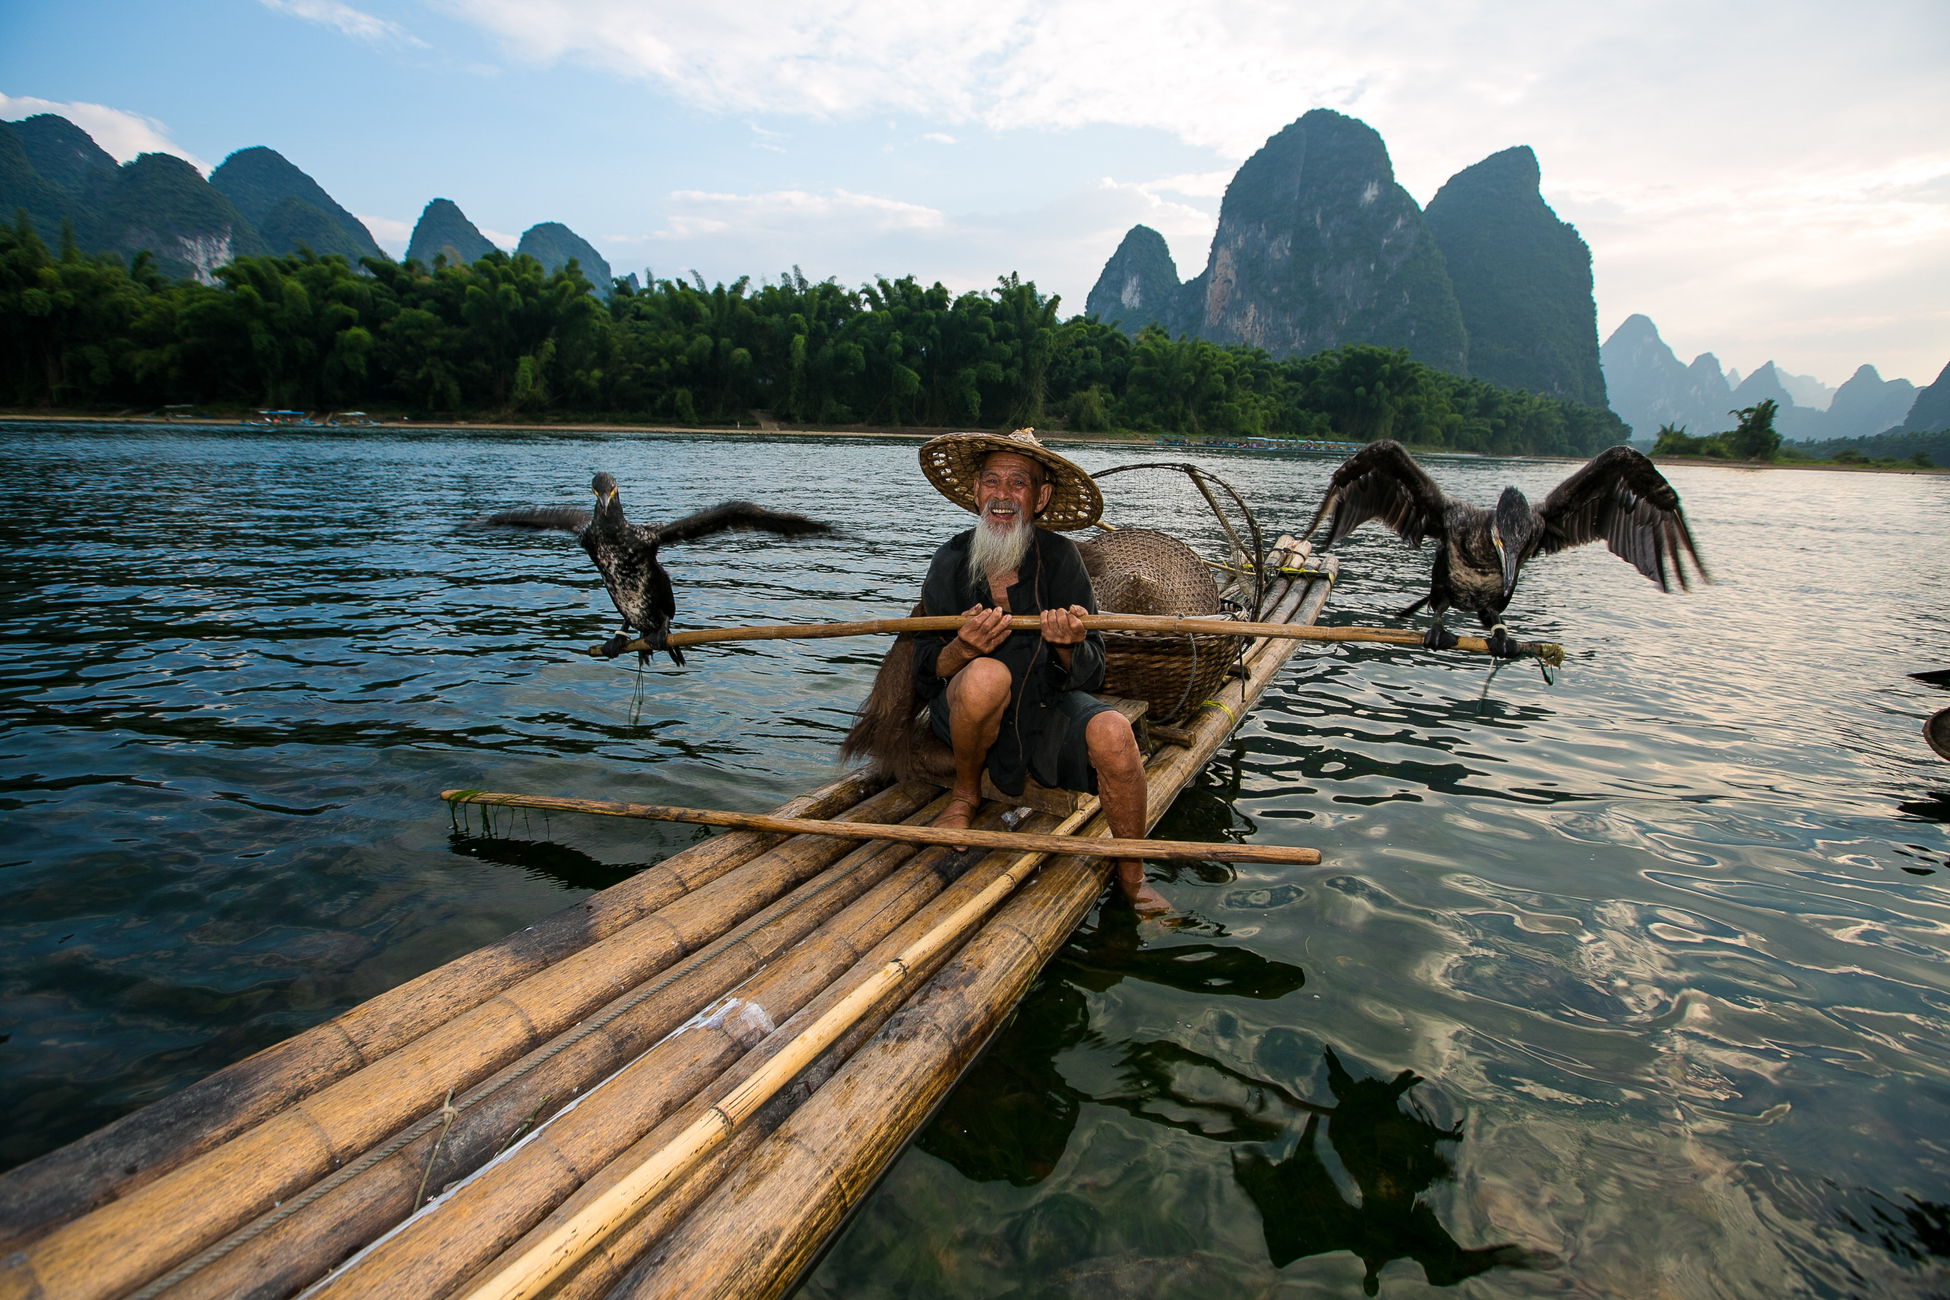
[(1509, 559)]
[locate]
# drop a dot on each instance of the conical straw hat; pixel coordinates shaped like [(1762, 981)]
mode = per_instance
[(953, 460)]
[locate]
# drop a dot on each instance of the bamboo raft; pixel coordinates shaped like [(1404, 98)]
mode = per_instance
[(439, 1138)]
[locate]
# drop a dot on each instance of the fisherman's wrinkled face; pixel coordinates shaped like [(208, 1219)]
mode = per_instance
[(1010, 491)]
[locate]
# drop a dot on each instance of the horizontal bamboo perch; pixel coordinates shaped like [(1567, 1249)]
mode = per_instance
[(1547, 651), (555, 1254), (1158, 850)]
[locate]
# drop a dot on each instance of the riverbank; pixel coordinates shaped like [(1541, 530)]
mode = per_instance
[(1713, 462), (911, 433)]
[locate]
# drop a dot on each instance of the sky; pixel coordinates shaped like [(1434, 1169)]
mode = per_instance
[(1766, 181)]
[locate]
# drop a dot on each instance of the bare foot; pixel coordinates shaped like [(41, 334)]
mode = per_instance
[(959, 814), (1145, 901)]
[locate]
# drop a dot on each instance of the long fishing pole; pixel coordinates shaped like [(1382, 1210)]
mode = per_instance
[(959, 837), (1174, 624)]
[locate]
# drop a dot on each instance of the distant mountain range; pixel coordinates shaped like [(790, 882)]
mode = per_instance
[(1650, 387), (55, 171), (1318, 246), (255, 203)]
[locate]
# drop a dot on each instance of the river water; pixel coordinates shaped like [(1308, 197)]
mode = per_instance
[(1631, 984)]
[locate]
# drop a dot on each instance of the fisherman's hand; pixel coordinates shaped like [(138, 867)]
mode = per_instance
[(986, 628), (1064, 627)]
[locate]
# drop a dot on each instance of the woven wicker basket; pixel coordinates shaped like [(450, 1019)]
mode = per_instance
[(1142, 571)]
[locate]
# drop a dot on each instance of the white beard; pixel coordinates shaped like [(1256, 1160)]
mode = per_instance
[(994, 551)]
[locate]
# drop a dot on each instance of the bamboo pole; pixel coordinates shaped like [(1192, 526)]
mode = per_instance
[(1157, 850), (113, 1162), (581, 1153), (553, 1255), (598, 1270), (1173, 624), (768, 1220), (278, 1257), (782, 959), (136, 1238)]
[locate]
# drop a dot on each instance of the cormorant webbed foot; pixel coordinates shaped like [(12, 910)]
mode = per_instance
[(1438, 638), (1501, 644), (653, 641), (615, 645)]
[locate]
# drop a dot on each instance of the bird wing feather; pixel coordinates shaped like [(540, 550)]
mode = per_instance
[(565, 519), (1381, 481), (738, 516), (1620, 498)]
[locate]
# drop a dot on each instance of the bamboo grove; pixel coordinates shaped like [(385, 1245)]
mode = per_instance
[(501, 337)]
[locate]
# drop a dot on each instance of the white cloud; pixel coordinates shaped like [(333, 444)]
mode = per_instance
[(1750, 154), (939, 137), (389, 233), (343, 18), (692, 213), (857, 237), (122, 134), (1208, 185)]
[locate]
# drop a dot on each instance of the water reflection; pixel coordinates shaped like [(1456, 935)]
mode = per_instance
[(1913, 1230), (544, 859), (1672, 929), (1390, 1151), (1014, 1115), (522, 838), (1934, 806)]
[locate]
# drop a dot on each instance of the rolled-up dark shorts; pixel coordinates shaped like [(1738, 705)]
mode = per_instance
[(1071, 758)]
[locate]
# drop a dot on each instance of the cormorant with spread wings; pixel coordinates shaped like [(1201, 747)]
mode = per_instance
[(626, 553), (1618, 497)]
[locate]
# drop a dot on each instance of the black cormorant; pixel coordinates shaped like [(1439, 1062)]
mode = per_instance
[(626, 553), (1618, 497)]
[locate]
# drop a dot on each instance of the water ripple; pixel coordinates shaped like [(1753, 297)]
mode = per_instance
[(1640, 976)]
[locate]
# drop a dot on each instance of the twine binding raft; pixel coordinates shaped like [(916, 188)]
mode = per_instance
[(740, 1038)]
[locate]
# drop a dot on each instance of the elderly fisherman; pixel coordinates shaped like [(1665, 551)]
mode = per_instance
[(1018, 704)]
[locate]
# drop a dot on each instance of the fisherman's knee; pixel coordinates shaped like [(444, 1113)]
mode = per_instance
[(1110, 741), (981, 687)]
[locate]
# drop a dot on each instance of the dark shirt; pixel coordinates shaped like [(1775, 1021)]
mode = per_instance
[(1051, 576)]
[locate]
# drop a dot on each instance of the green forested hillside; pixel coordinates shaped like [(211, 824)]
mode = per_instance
[(1522, 279), (501, 336), (1318, 246), (1139, 285), (162, 203), (262, 183), (23, 187), (443, 230), (292, 224), (1899, 446), (63, 153), (158, 202), (552, 244)]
